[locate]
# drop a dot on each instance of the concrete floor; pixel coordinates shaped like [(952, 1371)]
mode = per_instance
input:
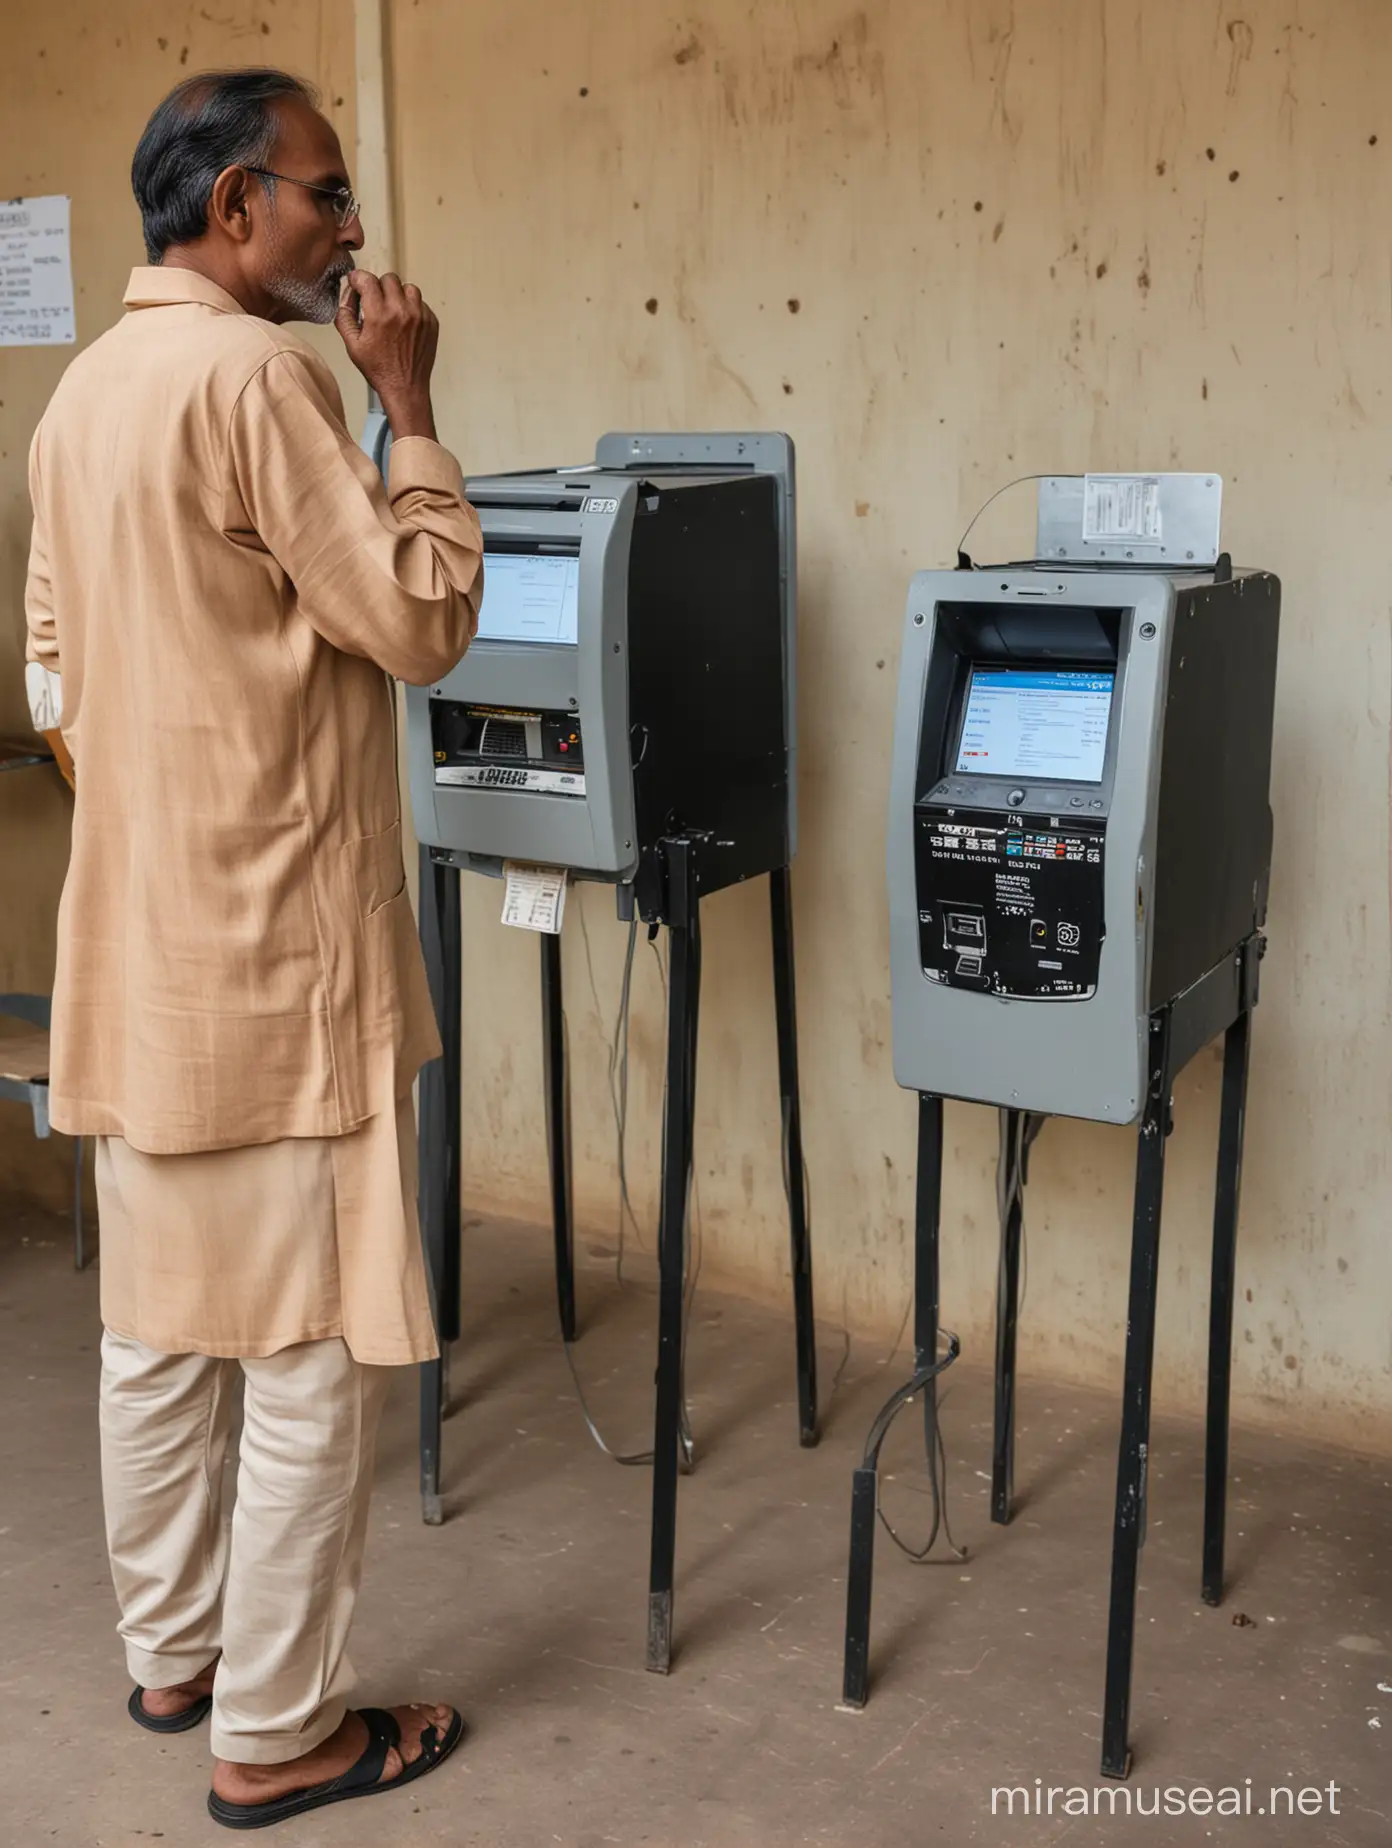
[(527, 1607)]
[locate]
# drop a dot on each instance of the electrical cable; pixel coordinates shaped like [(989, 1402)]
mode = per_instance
[(630, 1459), (1018, 1130), (934, 1449), (618, 1066), (937, 1482), (1018, 482), (935, 1452), (618, 1088), (693, 1243), (924, 1380)]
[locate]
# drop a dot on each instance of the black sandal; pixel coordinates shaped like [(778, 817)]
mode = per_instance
[(360, 1780), (168, 1722)]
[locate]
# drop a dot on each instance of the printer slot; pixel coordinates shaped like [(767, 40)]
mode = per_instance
[(500, 749)]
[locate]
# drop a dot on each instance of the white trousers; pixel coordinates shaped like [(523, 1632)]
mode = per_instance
[(274, 1591)]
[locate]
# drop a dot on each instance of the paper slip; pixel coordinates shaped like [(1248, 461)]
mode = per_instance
[(534, 896)]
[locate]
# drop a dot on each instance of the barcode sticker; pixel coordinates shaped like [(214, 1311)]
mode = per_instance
[(534, 897), (1122, 507)]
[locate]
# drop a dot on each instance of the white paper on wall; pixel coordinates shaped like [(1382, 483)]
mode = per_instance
[(36, 289)]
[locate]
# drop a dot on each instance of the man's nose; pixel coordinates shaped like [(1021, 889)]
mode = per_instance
[(351, 234)]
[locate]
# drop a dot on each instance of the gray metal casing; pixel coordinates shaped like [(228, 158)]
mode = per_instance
[(593, 835), (596, 836), (766, 452), (1190, 505), (1082, 1058)]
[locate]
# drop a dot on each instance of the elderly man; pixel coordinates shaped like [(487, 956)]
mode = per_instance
[(219, 588)]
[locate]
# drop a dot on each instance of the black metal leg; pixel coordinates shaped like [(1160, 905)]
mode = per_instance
[(683, 1003), (1236, 1047), (1007, 1316), (927, 1220), (860, 1581), (439, 1140), (864, 1497), (1129, 1529), (558, 1128), (785, 1008), (432, 1422)]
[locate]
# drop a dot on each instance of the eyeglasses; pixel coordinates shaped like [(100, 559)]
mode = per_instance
[(342, 198)]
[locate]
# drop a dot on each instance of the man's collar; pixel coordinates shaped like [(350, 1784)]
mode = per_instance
[(160, 288)]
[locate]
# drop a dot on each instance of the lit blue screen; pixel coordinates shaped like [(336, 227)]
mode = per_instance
[(1040, 725)]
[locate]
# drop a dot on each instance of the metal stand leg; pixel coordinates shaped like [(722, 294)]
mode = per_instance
[(440, 1160), (683, 1002), (558, 1128), (1129, 1529), (785, 1007), (1007, 1316), (927, 1222), (860, 1585), (1220, 1316), (864, 1492)]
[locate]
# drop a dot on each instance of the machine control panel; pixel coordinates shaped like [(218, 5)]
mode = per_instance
[(1010, 903), (499, 747), (1057, 799)]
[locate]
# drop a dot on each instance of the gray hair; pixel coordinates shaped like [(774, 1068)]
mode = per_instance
[(215, 120)]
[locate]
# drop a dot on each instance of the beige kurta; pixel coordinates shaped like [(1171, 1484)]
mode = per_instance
[(223, 586), (241, 1252), (220, 579)]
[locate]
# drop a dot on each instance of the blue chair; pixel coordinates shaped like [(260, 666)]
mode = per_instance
[(24, 1027)]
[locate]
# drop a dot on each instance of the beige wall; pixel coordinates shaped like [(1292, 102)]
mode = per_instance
[(1010, 250)]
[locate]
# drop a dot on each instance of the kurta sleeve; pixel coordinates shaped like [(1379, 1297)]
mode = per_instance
[(41, 648), (42, 677), (394, 574)]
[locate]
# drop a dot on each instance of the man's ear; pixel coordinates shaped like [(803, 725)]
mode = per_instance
[(229, 209)]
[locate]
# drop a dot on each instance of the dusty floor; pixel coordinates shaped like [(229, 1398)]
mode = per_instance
[(527, 1608)]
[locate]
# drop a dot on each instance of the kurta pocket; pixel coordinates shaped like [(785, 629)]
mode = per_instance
[(394, 1012), (376, 870)]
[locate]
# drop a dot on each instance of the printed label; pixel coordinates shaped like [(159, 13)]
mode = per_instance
[(511, 776), (1122, 507)]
